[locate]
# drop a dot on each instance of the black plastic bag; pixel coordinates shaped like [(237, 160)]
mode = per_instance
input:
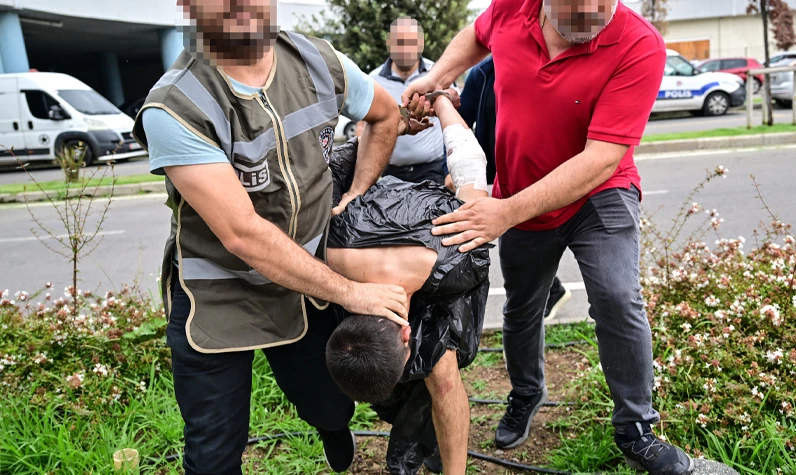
[(447, 313)]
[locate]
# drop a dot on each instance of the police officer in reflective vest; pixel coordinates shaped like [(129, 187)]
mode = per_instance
[(242, 126)]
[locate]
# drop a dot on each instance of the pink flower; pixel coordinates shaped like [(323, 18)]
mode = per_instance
[(76, 380)]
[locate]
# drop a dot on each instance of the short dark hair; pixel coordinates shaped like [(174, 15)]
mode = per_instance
[(366, 357)]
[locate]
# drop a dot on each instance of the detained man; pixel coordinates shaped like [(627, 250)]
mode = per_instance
[(575, 81), (385, 237)]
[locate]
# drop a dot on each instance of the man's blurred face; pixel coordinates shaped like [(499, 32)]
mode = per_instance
[(405, 43), (579, 21), (238, 30)]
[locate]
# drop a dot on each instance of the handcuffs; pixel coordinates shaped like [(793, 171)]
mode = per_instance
[(431, 97)]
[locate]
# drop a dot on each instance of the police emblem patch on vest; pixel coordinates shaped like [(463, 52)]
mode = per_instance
[(326, 138), (253, 177)]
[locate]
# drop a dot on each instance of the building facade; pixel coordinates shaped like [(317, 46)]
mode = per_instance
[(118, 47), (703, 29)]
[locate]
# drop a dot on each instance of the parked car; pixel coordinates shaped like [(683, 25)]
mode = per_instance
[(40, 113), (737, 66), (782, 84), (345, 129), (685, 88), (781, 56)]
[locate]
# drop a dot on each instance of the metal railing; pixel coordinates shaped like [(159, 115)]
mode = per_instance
[(750, 77)]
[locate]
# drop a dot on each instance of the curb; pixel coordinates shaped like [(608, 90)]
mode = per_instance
[(717, 143), (119, 190), (668, 146)]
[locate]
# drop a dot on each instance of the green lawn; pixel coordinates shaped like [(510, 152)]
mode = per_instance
[(762, 129), (58, 185)]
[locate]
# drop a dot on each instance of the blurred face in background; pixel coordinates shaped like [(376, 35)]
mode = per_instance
[(232, 30), (405, 43), (579, 21)]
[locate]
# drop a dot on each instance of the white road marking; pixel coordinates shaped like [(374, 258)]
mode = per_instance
[(698, 153), (655, 192), (568, 285), (60, 236)]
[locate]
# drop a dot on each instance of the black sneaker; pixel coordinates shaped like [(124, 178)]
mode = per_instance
[(516, 423), (339, 447), (433, 464), (559, 295), (645, 452)]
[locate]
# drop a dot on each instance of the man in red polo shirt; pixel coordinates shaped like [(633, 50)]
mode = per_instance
[(575, 83)]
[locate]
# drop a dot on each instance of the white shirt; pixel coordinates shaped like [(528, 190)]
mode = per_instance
[(425, 147)]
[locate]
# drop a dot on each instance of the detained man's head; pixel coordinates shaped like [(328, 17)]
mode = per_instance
[(405, 43), (580, 21), (236, 32), (366, 356)]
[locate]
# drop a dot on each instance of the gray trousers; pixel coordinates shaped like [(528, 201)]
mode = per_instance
[(604, 237)]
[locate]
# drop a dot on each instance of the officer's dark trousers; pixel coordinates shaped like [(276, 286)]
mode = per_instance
[(214, 390)]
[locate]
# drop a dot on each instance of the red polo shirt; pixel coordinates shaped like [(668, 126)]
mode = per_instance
[(546, 110)]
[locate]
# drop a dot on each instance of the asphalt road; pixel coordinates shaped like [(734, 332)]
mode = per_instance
[(674, 122), (136, 228), (658, 124)]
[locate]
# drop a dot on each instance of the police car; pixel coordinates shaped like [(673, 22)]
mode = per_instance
[(685, 88)]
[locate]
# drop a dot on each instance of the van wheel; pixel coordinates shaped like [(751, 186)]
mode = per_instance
[(783, 104), (80, 146), (717, 103)]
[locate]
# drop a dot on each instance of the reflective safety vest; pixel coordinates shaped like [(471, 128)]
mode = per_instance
[(279, 146)]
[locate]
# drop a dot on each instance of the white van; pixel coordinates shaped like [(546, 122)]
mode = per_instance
[(685, 88), (40, 113)]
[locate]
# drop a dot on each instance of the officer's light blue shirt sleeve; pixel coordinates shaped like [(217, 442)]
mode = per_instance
[(360, 90), (172, 144)]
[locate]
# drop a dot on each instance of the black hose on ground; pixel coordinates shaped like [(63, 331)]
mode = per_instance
[(366, 433), (490, 402), (473, 454), (549, 345)]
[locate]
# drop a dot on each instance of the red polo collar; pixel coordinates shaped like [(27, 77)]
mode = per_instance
[(609, 36)]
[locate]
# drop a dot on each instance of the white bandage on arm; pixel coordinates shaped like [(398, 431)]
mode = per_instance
[(466, 159)]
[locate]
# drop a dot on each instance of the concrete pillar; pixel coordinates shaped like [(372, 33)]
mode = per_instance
[(12, 44), (111, 78), (171, 46)]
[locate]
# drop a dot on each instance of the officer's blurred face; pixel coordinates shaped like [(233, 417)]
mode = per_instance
[(239, 30), (579, 21), (405, 43)]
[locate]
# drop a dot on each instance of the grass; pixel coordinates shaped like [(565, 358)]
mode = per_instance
[(731, 132), (63, 441), (59, 185)]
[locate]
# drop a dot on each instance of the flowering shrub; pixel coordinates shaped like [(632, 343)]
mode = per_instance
[(724, 337), (723, 322), (104, 353)]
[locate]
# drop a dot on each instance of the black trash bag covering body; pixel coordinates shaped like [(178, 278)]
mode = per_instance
[(447, 313)]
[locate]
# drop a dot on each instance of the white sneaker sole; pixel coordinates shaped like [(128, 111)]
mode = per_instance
[(639, 468), (564, 299)]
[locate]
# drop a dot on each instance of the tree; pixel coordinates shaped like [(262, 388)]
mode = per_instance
[(359, 28), (656, 11), (781, 17)]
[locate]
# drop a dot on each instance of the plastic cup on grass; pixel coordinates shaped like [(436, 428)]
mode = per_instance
[(125, 459)]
